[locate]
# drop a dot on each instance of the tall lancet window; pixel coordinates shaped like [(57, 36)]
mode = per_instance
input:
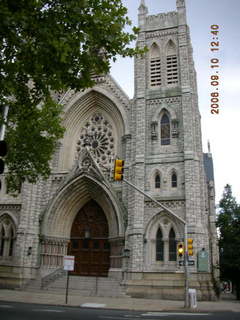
[(172, 246), (159, 246), (157, 181), (155, 66), (2, 239), (165, 130), (172, 63)]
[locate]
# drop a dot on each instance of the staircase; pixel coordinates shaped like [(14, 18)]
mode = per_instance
[(88, 286), (83, 286)]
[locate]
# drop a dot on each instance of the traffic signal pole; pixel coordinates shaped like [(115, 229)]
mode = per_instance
[(3, 127), (186, 300), (186, 305)]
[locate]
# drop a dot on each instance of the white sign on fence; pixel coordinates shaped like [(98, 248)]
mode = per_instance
[(68, 263)]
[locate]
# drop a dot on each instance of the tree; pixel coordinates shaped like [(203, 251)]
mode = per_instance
[(48, 46), (228, 223)]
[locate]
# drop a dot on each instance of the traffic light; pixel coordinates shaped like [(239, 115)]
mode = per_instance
[(180, 249), (3, 152), (118, 170), (190, 247)]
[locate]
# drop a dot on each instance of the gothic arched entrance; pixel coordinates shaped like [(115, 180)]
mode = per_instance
[(89, 241)]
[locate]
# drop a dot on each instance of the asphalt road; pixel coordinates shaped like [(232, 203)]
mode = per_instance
[(25, 311)]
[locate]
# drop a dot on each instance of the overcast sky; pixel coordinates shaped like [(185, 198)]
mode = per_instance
[(223, 129)]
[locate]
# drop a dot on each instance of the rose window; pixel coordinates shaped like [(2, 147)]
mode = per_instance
[(97, 134)]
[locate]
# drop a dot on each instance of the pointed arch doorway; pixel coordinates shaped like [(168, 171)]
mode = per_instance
[(89, 241)]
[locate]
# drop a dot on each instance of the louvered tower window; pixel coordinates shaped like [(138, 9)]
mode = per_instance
[(172, 63), (155, 66)]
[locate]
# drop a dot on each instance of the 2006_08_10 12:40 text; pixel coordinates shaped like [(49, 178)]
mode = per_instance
[(215, 79)]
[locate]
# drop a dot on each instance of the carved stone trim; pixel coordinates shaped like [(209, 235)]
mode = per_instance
[(175, 130), (168, 204), (9, 206), (154, 125), (58, 177), (163, 101), (126, 137), (159, 34)]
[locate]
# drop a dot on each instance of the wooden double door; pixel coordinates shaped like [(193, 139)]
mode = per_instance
[(89, 241)]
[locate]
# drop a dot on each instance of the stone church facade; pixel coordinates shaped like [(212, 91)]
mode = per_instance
[(112, 229)]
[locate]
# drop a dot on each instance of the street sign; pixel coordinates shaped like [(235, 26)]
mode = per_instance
[(68, 263), (203, 261), (190, 263)]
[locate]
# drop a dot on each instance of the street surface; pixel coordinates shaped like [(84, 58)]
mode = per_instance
[(25, 311)]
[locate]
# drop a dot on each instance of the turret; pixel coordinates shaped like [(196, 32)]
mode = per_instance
[(142, 12), (181, 8)]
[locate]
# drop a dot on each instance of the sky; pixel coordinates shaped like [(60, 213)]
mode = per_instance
[(223, 129)]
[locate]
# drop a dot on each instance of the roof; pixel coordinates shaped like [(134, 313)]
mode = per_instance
[(208, 166)]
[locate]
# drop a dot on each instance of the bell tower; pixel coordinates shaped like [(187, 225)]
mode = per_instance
[(167, 157)]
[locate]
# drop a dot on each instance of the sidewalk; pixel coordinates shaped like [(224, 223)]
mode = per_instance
[(114, 303)]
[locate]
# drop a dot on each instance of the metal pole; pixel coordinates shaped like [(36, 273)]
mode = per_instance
[(186, 300), (3, 128), (66, 298), (155, 201), (186, 267)]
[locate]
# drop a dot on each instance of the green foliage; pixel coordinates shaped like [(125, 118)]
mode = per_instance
[(48, 46), (229, 242)]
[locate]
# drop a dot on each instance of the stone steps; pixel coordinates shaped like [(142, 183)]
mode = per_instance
[(85, 286)]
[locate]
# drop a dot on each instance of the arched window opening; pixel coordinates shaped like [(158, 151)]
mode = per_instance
[(155, 66), (7, 237), (165, 130), (159, 246), (172, 63), (172, 246), (11, 242), (157, 181), (2, 239), (174, 180), (18, 189)]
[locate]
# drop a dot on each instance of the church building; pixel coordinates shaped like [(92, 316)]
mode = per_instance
[(114, 231)]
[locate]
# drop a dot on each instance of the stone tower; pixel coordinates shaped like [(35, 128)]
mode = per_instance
[(167, 158), (112, 229)]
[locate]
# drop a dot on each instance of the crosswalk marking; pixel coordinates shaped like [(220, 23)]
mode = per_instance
[(47, 310), (164, 314), (93, 305), (5, 306)]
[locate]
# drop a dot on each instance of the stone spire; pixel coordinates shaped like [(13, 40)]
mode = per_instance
[(209, 147), (142, 12)]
